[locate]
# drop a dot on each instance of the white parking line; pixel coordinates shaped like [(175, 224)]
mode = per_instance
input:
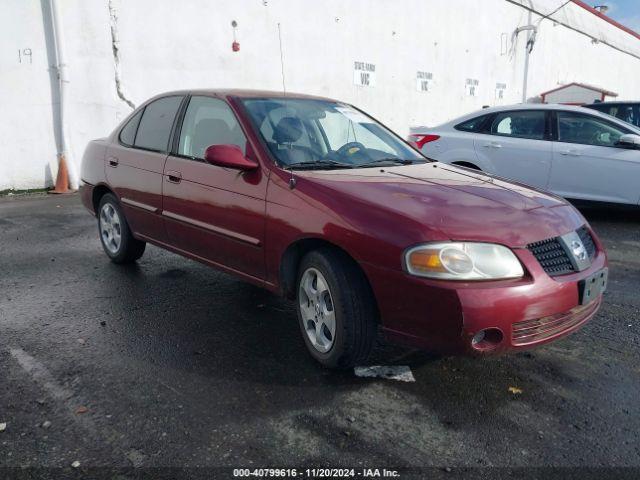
[(71, 402), (401, 373), (40, 374)]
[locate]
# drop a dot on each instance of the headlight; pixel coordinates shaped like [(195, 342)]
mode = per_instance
[(462, 261)]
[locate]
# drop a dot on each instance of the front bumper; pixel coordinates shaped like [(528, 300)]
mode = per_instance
[(445, 316)]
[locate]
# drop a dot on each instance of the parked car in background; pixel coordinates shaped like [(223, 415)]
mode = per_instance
[(575, 152), (626, 111), (313, 199)]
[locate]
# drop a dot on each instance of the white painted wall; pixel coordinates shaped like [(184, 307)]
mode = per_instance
[(167, 45)]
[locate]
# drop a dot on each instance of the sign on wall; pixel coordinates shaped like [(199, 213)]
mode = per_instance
[(424, 81), (364, 74), (500, 90), (25, 55), (471, 87)]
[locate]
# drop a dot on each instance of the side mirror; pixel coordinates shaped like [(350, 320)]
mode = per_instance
[(629, 140), (228, 156)]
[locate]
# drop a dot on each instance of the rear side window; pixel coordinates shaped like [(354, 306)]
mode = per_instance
[(473, 125), (128, 133), (521, 124), (157, 121)]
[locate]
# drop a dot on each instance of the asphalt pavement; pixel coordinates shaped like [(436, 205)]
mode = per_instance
[(168, 363)]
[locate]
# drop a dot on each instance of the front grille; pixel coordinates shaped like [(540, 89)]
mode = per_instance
[(531, 331), (587, 241), (552, 256)]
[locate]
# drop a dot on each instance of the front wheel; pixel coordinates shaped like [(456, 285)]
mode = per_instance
[(336, 309), (116, 238)]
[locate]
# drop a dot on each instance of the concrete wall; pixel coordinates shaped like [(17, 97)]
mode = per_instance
[(458, 46)]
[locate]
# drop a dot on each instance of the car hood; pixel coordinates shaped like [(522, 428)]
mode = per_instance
[(454, 203)]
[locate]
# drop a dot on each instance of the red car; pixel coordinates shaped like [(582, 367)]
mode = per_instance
[(315, 200)]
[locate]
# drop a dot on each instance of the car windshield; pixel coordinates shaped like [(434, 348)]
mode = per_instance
[(320, 134)]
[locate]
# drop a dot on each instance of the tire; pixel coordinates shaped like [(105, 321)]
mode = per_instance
[(350, 299), (116, 238)]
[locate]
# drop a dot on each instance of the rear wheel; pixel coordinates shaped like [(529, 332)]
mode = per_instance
[(115, 235), (336, 309)]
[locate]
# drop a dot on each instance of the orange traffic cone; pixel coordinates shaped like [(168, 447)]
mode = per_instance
[(62, 180)]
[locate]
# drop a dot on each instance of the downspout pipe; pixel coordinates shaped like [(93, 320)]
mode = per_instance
[(532, 31), (65, 156)]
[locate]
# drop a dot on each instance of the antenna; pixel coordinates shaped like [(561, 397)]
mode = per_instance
[(284, 87)]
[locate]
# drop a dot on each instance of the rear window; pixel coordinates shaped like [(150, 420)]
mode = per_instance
[(157, 121), (473, 125)]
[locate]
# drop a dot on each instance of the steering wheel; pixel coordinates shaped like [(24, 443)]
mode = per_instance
[(351, 148)]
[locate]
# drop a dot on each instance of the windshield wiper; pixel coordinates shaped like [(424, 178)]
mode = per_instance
[(391, 160), (316, 164)]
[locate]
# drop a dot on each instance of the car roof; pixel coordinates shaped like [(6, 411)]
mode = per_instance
[(243, 93), (530, 106)]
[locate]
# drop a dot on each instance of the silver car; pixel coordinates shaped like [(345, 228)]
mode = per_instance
[(575, 152)]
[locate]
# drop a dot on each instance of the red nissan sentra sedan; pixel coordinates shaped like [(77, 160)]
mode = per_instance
[(315, 200)]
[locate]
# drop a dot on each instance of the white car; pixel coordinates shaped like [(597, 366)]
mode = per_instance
[(574, 152)]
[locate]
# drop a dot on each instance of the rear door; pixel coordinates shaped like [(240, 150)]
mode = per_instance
[(516, 145), (214, 213), (135, 163), (588, 164)]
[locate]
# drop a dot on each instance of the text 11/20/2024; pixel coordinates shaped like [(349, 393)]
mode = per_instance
[(316, 473)]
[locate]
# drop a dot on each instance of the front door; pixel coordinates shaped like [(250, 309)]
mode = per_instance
[(214, 213), (588, 164), (516, 146)]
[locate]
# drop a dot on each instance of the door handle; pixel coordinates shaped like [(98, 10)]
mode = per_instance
[(571, 152), (492, 145), (113, 162), (174, 177)]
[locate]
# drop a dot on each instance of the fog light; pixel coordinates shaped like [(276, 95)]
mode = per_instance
[(487, 339)]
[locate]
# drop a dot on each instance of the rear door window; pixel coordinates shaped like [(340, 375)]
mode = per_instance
[(521, 124), (156, 124)]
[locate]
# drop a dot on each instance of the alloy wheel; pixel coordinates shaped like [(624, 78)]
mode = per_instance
[(317, 310), (110, 228)]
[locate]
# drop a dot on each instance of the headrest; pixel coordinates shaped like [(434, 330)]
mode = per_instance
[(288, 130)]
